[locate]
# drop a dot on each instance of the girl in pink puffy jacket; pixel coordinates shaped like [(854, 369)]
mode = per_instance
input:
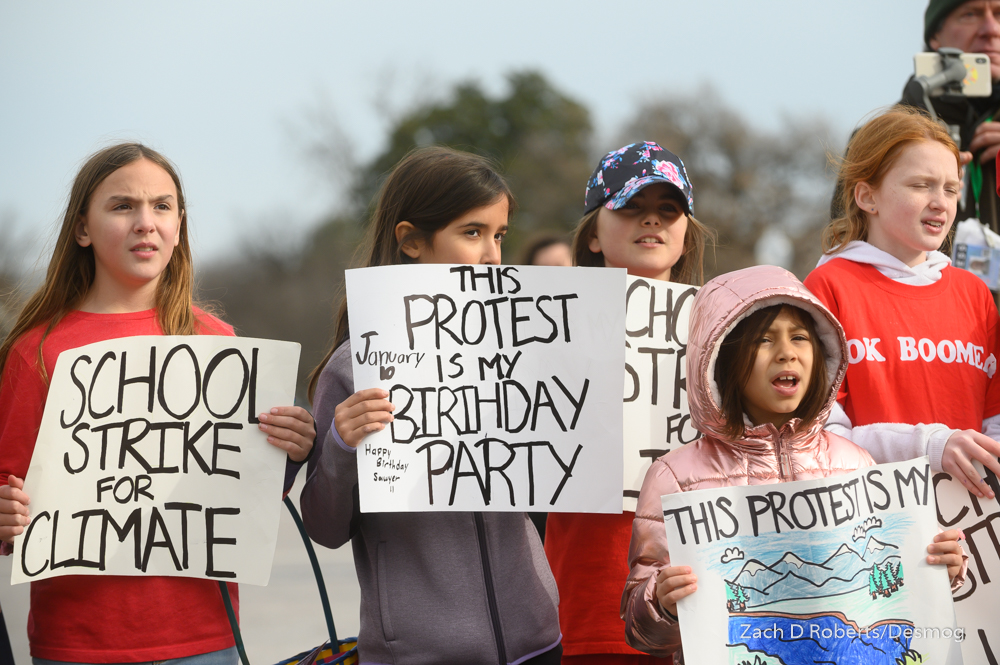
[(764, 361)]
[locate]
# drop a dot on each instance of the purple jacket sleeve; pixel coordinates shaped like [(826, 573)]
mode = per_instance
[(330, 506)]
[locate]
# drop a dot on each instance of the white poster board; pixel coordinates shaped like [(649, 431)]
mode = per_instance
[(506, 383), (149, 460), (977, 605), (656, 406), (831, 570)]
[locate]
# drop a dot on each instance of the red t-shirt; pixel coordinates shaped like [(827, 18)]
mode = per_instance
[(918, 354), (588, 554), (91, 618)]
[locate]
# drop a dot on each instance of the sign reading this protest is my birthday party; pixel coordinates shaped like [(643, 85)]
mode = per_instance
[(656, 407), (506, 383), (149, 460), (832, 570)]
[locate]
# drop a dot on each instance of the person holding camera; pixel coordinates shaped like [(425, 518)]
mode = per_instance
[(972, 26)]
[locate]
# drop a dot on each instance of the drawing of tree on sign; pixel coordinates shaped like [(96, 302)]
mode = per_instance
[(911, 657), (885, 580), (736, 597), (757, 660)]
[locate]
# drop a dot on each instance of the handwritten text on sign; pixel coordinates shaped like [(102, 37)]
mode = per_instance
[(506, 383), (656, 407), (977, 605), (831, 570), (149, 460)]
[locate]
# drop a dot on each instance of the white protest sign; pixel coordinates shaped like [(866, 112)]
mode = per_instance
[(506, 383), (656, 407), (977, 605), (149, 460), (832, 570)]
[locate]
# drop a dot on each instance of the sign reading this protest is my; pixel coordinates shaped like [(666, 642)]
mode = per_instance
[(505, 382), (656, 407), (149, 460), (977, 605), (832, 570)]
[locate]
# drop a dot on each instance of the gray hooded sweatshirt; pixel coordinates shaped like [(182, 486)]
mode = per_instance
[(436, 587)]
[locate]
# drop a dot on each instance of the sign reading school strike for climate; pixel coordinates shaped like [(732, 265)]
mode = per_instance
[(977, 605), (832, 570), (149, 460), (506, 382), (656, 407)]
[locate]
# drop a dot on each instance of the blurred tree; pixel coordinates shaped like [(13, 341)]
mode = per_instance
[(272, 291), (8, 301), (539, 136), (12, 253), (746, 181)]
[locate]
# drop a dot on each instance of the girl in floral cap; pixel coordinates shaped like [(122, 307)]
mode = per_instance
[(638, 215)]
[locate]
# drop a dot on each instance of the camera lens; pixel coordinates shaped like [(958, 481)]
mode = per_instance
[(980, 61)]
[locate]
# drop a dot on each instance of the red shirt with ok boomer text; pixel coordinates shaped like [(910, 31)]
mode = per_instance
[(918, 354)]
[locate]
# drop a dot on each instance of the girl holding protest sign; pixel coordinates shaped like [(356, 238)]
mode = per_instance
[(436, 587), (121, 267), (764, 362), (638, 215), (923, 336)]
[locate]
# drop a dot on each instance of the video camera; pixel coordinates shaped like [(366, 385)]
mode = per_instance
[(950, 75)]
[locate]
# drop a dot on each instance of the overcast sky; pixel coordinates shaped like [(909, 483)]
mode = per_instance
[(225, 89)]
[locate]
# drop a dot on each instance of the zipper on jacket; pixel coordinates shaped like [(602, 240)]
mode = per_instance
[(784, 461), (491, 595)]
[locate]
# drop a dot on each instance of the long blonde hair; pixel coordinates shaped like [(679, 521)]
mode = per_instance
[(871, 153), (71, 270), (689, 269)]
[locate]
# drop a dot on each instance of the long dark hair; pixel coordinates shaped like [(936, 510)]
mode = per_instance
[(429, 188), (737, 354)]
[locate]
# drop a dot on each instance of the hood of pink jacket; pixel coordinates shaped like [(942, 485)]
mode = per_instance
[(719, 306)]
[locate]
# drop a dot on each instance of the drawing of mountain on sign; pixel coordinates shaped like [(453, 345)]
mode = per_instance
[(822, 599), (792, 577)]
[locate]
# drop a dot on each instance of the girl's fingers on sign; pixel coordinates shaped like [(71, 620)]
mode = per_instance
[(290, 428)]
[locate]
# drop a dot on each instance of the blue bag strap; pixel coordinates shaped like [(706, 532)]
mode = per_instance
[(224, 589), (320, 584)]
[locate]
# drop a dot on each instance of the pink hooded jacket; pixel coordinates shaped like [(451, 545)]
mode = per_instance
[(762, 456)]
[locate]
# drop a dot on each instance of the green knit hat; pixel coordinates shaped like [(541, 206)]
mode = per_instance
[(937, 12)]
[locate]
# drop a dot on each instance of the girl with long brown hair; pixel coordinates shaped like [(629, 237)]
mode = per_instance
[(121, 267), (446, 587)]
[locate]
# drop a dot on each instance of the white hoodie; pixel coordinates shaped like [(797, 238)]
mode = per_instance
[(891, 442)]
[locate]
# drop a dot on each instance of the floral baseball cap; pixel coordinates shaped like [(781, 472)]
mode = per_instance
[(623, 172)]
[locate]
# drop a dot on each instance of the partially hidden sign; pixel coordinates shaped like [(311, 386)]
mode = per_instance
[(506, 382), (656, 407), (149, 460), (977, 604), (832, 570)]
